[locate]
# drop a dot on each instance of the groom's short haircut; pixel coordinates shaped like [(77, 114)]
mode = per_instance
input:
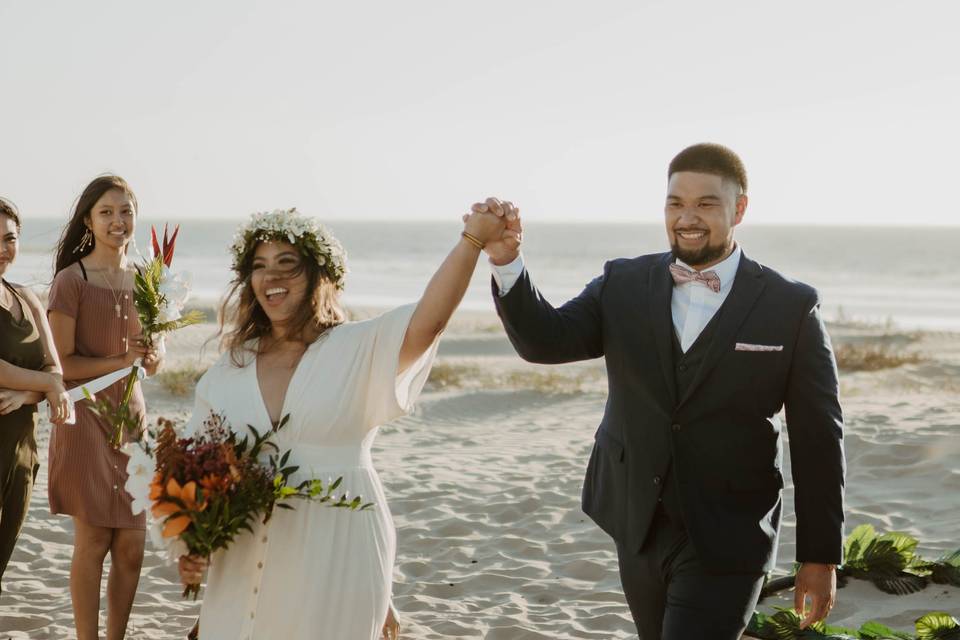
[(711, 158)]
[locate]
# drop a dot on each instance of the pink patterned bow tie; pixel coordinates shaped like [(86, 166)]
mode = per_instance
[(682, 275)]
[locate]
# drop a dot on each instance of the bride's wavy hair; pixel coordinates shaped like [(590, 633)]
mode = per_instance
[(242, 319)]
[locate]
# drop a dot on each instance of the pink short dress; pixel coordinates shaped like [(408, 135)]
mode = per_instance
[(87, 474)]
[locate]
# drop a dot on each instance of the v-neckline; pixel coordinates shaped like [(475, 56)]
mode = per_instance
[(15, 299), (293, 378)]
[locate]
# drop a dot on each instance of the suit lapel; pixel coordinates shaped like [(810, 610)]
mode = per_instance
[(747, 287), (661, 292)]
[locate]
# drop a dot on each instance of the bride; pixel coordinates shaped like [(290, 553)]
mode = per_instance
[(316, 572)]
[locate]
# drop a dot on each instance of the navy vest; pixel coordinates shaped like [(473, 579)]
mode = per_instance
[(685, 368)]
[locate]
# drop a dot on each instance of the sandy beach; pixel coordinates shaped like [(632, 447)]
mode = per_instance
[(484, 485)]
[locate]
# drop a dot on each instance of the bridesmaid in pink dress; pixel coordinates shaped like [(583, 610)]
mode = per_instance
[(96, 331)]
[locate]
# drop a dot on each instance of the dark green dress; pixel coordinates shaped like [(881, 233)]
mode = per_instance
[(20, 345)]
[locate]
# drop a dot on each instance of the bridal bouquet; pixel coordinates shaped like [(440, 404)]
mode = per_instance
[(158, 295), (204, 490)]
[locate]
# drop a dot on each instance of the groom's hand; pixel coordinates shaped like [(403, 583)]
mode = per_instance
[(819, 582), (504, 248)]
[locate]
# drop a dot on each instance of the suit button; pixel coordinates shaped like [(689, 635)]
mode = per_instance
[(675, 426), (656, 479), (683, 368)]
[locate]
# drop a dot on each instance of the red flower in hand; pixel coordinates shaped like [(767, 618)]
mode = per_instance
[(166, 252)]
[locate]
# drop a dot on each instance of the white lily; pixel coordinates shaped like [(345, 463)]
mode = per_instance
[(140, 471)]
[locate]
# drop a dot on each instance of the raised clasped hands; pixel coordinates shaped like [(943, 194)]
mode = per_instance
[(503, 239)]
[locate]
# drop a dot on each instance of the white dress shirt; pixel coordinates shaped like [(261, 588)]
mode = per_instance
[(692, 305)]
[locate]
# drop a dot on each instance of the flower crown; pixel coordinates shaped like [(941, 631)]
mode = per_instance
[(287, 225)]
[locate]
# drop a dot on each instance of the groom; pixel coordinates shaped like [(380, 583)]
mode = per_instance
[(703, 347)]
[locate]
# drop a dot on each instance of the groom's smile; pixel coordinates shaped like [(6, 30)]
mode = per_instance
[(700, 213)]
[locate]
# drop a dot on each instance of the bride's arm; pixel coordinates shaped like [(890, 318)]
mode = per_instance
[(449, 283)]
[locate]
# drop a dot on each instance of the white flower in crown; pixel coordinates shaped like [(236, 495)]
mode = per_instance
[(307, 234)]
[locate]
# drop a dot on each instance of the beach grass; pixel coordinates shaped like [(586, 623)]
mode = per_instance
[(180, 381), (874, 356), (446, 375), (455, 375)]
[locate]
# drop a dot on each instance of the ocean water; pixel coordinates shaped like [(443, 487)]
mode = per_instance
[(910, 276)]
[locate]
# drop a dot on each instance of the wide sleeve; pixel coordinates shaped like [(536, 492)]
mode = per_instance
[(389, 393), (64, 295)]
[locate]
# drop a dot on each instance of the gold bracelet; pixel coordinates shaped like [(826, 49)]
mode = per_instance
[(473, 240)]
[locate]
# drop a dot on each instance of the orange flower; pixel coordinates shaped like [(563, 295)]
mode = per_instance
[(210, 482), (156, 487), (164, 508), (175, 526), (213, 483), (181, 499), (187, 494)]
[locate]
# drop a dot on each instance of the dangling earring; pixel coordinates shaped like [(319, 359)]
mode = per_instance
[(85, 241)]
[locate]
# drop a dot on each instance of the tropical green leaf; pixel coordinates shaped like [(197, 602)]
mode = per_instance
[(876, 631), (888, 560), (901, 585), (938, 626), (761, 627), (946, 570), (857, 541)]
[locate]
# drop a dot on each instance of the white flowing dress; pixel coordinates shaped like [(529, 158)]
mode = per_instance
[(315, 572)]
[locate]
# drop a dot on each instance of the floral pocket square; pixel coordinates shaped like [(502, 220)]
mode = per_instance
[(745, 346)]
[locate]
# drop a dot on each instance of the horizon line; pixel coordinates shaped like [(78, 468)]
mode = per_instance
[(554, 222)]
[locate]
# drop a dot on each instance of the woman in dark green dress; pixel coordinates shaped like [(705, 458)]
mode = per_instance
[(29, 373)]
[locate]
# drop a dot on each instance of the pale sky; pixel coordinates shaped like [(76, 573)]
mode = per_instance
[(844, 111)]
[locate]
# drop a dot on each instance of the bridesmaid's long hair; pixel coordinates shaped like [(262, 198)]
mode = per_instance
[(247, 321), (67, 248)]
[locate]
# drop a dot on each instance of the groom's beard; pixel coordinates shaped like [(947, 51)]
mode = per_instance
[(704, 255)]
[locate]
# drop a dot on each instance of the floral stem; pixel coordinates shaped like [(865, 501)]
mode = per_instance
[(121, 411)]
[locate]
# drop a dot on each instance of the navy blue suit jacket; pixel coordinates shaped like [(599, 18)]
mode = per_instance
[(722, 436)]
